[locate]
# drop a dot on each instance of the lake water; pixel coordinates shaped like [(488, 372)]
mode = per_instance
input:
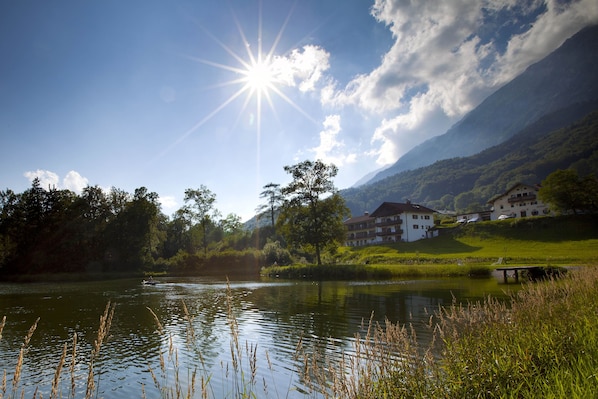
[(272, 317)]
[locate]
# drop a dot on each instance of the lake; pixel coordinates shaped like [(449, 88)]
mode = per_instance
[(271, 318)]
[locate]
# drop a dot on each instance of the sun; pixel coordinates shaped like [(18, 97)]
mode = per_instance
[(260, 76)]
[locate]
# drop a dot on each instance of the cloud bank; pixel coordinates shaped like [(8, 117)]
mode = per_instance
[(446, 58)]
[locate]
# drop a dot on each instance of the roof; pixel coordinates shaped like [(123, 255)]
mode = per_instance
[(358, 219), (394, 208), (513, 187)]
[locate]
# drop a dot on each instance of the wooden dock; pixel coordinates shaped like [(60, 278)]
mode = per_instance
[(515, 270)]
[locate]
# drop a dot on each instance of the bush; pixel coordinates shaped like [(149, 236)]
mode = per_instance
[(275, 254)]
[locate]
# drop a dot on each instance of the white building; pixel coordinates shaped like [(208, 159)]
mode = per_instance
[(397, 222), (521, 200)]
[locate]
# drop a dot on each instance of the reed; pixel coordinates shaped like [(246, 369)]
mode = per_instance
[(542, 343), (102, 336)]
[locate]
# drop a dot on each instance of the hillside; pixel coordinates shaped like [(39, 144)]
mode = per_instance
[(565, 77), (459, 183), (564, 240)]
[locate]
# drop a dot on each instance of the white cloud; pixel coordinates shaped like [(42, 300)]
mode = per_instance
[(72, 181), (169, 203), (75, 182), (331, 149), (548, 32), (302, 68), (446, 59), (47, 179)]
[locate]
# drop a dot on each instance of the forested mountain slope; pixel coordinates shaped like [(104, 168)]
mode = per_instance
[(565, 77), (469, 182)]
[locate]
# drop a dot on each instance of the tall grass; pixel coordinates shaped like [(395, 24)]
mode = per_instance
[(543, 342)]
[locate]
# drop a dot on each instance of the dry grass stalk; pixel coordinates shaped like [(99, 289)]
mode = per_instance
[(19, 366), (157, 321), (72, 366), (168, 389), (3, 385), (2, 325), (56, 380), (103, 334)]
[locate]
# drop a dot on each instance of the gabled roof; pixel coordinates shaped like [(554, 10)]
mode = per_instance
[(358, 219), (513, 187), (394, 208)]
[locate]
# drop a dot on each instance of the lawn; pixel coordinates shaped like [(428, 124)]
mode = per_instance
[(562, 241)]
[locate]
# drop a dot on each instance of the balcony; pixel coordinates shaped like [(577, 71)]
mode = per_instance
[(389, 223), (386, 233), (361, 234), (361, 226), (527, 197)]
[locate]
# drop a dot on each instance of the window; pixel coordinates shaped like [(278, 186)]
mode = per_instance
[(415, 226), (427, 217), (414, 216)]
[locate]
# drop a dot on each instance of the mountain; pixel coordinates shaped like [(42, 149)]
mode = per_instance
[(365, 179), (469, 182), (565, 77)]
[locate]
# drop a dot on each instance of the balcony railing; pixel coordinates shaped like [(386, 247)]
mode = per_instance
[(354, 227), (362, 234), (385, 233), (528, 197), (389, 223)]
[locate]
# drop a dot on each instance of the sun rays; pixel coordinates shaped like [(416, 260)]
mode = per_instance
[(257, 77)]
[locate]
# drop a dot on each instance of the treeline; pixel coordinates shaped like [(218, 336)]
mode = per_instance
[(466, 184), (58, 231)]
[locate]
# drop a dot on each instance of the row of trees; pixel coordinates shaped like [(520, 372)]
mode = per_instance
[(51, 230), (58, 231)]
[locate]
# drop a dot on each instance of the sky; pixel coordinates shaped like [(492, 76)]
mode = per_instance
[(172, 95)]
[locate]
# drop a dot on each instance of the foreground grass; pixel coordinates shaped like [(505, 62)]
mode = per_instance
[(543, 344)]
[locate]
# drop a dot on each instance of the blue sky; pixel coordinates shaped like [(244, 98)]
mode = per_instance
[(176, 94)]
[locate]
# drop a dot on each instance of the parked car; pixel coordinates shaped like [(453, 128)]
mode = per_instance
[(503, 217), (473, 220)]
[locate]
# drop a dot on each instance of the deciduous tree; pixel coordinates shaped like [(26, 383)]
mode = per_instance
[(565, 191), (313, 211), (200, 207)]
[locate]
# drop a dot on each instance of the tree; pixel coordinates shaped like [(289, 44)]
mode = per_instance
[(565, 191), (309, 218), (134, 235), (200, 208), (273, 195)]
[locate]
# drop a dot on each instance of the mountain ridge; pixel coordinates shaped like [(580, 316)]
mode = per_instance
[(564, 77), (469, 182)]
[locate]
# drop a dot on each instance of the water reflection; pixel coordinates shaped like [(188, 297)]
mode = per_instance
[(272, 315)]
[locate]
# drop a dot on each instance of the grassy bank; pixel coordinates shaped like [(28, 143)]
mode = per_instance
[(544, 344), (539, 241), (467, 250), (376, 271)]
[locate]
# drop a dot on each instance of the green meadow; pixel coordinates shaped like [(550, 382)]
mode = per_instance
[(472, 249)]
